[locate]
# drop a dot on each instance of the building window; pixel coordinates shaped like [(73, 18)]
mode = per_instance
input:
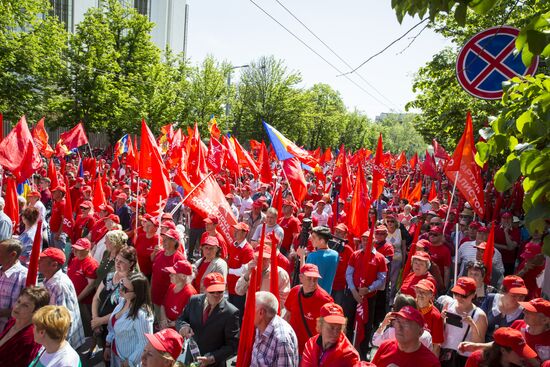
[(62, 9), (141, 6)]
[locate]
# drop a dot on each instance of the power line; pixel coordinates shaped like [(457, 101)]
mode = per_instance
[(335, 53), (319, 55)]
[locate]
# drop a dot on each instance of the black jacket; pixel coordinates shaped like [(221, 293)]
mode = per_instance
[(219, 336)]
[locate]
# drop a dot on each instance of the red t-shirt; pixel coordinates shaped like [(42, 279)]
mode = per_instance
[(407, 287), (57, 215), (160, 280), (365, 273), (441, 256), (342, 354), (79, 271), (144, 248), (238, 256), (539, 343), (291, 226), (200, 273), (508, 256), (389, 355), (339, 282), (385, 249), (197, 221), (312, 308), (475, 359), (174, 303), (434, 323)]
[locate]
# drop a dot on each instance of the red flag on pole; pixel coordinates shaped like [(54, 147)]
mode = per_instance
[(216, 155), (404, 189), (416, 193), (428, 166), (359, 206), (439, 151), (74, 138), (244, 158), (231, 156), (274, 278), (248, 330), (433, 192), (296, 180), (265, 169), (489, 253), (52, 174), (378, 171), (99, 195), (40, 138), (32, 273), (11, 207), (341, 168), (413, 161), (463, 168), (401, 160), (327, 156), (18, 154)]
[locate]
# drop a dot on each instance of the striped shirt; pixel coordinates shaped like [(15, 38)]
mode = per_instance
[(277, 346), (467, 252), (129, 334), (62, 293), (12, 281)]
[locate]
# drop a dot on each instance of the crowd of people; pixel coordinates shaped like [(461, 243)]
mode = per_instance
[(167, 288)]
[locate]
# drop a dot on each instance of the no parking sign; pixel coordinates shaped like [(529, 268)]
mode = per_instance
[(488, 59)]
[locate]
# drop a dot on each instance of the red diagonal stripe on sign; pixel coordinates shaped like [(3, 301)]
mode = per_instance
[(493, 63)]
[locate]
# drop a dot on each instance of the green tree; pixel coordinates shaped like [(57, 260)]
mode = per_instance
[(358, 131), (32, 45), (400, 134)]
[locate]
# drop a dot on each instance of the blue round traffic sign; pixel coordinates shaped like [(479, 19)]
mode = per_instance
[(488, 59)]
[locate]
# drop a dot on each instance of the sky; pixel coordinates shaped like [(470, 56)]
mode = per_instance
[(238, 32)]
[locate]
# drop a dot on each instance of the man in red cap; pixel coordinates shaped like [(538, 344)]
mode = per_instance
[(341, 232), (531, 265), (163, 349), (330, 347), (123, 211), (246, 202), (33, 200), (507, 239), (212, 322), (420, 265), (84, 221), (82, 272), (440, 255), (210, 224), (62, 291), (406, 349), (271, 225), (304, 303), (254, 218), (240, 254), (320, 214), (535, 327), (290, 224)]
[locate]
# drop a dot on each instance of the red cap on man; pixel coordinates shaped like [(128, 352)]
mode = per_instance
[(180, 267), (242, 226), (332, 313), (167, 340), (412, 314), (538, 305), (82, 244), (310, 270), (214, 282), (513, 339), (55, 254)]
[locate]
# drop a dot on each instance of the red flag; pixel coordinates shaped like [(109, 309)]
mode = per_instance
[(32, 273), (489, 253), (317, 154), (68, 214), (18, 154), (404, 189), (206, 199), (149, 152), (248, 330), (213, 128), (11, 207), (327, 156), (378, 171), (131, 155), (277, 201), (216, 155), (401, 160), (52, 173), (265, 168), (274, 278), (255, 145), (74, 138), (296, 179), (196, 161), (99, 195), (463, 168), (413, 161), (416, 193), (428, 166), (160, 182), (137, 155), (40, 138), (341, 168), (244, 158), (433, 192), (360, 204), (439, 151), (231, 159)]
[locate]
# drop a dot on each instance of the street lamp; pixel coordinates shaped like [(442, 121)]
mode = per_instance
[(228, 105)]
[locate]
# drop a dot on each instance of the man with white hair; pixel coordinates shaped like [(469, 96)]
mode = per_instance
[(275, 343), (6, 224)]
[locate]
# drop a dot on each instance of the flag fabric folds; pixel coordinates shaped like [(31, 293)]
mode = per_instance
[(11, 208), (216, 155), (248, 330), (18, 154), (378, 171), (360, 205), (40, 137), (286, 149), (489, 253), (428, 166), (296, 179), (74, 138), (439, 151)]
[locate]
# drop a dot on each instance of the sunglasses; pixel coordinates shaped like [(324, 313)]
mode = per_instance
[(125, 289)]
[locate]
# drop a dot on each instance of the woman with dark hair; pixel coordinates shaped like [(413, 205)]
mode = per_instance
[(131, 319), (17, 345), (107, 294), (477, 270), (30, 218), (508, 349)]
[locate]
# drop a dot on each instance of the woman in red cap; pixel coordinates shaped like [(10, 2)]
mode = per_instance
[(178, 293), (503, 308), (210, 262), (535, 328), (508, 349), (420, 265), (330, 347)]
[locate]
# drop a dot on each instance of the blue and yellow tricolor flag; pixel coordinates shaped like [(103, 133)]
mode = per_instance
[(286, 149), (121, 145)]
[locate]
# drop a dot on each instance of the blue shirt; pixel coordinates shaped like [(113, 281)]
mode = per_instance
[(327, 262)]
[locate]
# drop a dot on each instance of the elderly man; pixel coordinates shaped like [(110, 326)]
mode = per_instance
[(12, 277), (271, 226), (212, 321), (6, 224), (240, 254), (275, 344), (406, 349), (62, 291)]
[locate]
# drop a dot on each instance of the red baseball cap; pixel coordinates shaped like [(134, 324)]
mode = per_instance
[(309, 204), (107, 208), (152, 219), (412, 314), (242, 226), (464, 286), (514, 284), (211, 219), (167, 340), (114, 218), (530, 251), (230, 196), (436, 229), (86, 204), (266, 254), (512, 338), (180, 267), (426, 285), (423, 243), (214, 282), (211, 240), (55, 254), (342, 227), (482, 245), (483, 229), (173, 234), (310, 270), (82, 244), (168, 224), (35, 194), (538, 305), (475, 225), (421, 255), (60, 188), (506, 215), (86, 189), (289, 203), (258, 204), (333, 313), (122, 195), (381, 229)]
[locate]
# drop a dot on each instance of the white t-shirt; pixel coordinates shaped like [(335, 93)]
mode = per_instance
[(65, 356)]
